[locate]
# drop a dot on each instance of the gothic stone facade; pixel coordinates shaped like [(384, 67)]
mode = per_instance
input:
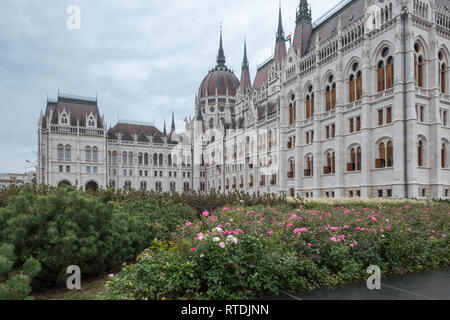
[(358, 106)]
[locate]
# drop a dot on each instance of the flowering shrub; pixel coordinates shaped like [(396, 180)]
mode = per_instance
[(239, 253)]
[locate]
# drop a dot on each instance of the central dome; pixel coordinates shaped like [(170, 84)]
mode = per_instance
[(220, 81)]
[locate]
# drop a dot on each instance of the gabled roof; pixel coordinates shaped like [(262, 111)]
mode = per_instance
[(79, 109), (262, 75), (130, 130)]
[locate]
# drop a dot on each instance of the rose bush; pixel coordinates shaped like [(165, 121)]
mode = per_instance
[(240, 253)]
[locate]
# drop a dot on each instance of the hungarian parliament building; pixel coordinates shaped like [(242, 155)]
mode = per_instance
[(357, 105)]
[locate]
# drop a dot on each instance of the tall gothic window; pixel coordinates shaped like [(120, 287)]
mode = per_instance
[(355, 84), (385, 71), (443, 155), (330, 95), (60, 152), (292, 110), (124, 157), (94, 154), (420, 153), (88, 153), (442, 72), (130, 158), (68, 150), (310, 103), (419, 65)]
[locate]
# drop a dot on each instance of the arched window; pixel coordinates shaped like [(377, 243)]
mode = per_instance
[(385, 71), (330, 167), (442, 71), (351, 88), (419, 65), (68, 152), (94, 154), (155, 159), (330, 95), (143, 185), (355, 83), (390, 154), (169, 159), (420, 153), (292, 111), (140, 158), (309, 171), (124, 157), (60, 152), (381, 77), (114, 158), (310, 103), (358, 159), (161, 161), (130, 158), (443, 155), (381, 161), (88, 153), (146, 158), (291, 173)]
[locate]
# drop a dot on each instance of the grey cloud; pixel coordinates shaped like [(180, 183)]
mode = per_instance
[(143, 58)]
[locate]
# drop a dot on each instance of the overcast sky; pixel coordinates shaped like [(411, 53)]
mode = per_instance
[(144, 58)]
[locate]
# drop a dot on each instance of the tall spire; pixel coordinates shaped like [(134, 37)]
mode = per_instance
[(173, 123), (165, 131), (280, 45), (221, 55), (304, 12), (280, 32), (245, 65), (246, 82)]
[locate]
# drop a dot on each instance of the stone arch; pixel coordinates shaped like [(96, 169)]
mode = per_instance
[(92, 186)]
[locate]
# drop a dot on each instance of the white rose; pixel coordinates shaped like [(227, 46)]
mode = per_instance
[(216, 239)]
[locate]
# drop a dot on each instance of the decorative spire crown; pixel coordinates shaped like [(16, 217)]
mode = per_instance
[(304, 12), (221, 55), (173, 122), (245, 65), (280, 32)]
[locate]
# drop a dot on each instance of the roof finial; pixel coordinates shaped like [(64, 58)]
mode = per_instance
[(221, 56), (165, 131)]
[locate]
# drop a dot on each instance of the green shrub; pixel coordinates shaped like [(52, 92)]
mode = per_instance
[(15, 285), (69, 227)]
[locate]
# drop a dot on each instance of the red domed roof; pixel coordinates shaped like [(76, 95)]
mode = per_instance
[(221, 82)]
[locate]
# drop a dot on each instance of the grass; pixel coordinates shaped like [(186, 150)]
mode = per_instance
[(90, 290)]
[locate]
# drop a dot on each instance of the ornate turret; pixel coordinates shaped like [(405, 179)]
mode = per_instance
[(303, 12), (303, 28)]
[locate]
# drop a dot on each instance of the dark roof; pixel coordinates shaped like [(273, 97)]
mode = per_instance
[(130, 130), (218, 82), (267, 109), (262, 75), (79, 109)]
